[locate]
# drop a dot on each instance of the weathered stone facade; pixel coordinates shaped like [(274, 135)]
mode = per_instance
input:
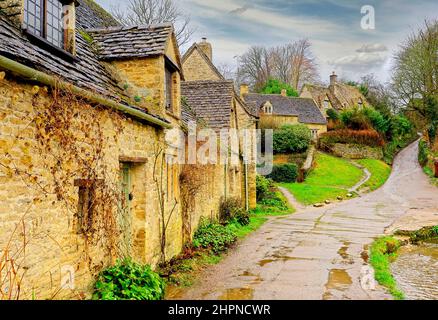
[(13, 9), (53, 242)]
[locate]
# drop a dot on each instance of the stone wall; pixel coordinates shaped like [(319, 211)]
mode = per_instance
[(351, 151), (49, 223)]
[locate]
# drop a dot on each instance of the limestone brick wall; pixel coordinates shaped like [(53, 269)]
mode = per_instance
[(197, 69), (54, 244), (275, 121)]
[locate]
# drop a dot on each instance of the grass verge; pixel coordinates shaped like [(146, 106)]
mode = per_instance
[(331, 178), (380, 173), (383, 252)]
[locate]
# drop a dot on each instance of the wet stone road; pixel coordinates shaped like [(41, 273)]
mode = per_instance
[(319, 253)]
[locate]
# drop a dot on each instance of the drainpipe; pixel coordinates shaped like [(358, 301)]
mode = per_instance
[(43, 78), (246, 188)]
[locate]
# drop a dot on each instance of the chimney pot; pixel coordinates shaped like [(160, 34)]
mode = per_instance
[(244, 90)]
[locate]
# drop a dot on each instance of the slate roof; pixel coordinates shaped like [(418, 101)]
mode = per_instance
[(211, 101), (87, 72), (131, 42), (306, 109), (91, 15)]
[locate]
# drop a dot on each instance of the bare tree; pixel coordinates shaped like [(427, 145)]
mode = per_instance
[(292, 63), (415, 78), (146, 12), (255, 67), (227, 70)]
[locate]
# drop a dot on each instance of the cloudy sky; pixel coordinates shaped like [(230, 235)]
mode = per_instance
[(334, 28)]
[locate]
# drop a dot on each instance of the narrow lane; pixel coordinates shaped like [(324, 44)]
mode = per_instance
[(320, 253)]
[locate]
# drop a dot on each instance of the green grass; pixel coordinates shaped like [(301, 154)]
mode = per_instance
[(274, 205), (331, 177), (379, 170), (383, 252)]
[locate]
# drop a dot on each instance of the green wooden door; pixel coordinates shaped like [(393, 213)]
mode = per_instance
[(125, 217)]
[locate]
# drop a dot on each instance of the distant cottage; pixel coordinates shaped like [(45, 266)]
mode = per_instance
[(337, 96), (276, 110)]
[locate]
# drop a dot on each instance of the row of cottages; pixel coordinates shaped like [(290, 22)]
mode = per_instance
[(85, 105), (337, 95), (277, 110)]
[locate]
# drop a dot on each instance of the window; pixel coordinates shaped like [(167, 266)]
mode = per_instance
[(315, 133), (44, 19), (326, 104), (168, 89), (267, 108)]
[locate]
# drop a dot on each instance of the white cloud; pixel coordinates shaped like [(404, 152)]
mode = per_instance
[(360, 61), (372, 47)]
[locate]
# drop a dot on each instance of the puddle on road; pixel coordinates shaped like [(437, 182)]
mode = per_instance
[(339, 280), (238, 294), (343, 251)]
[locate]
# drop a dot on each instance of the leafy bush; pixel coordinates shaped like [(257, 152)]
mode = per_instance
[(215, 237), (363, 137), (128, 281), (263, 187), (400, 126), (377, 120), (242, 218), (229, 208), (332, 114), (355, 119), (274, 86), (284, 173), (423, 154), (292, 139)]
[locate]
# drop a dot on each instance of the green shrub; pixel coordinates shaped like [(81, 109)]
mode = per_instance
[(284, 173), (215, 237), (263, 187), (292, 139), (332, 114), (377, 120), (423, 154), (274, 86), (400, 127), (229, 208), (242, 218), (355, 119), (128, 281)]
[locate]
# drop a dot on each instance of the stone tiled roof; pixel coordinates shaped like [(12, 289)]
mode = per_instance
[(210, 100), (305, 109), (344, 95), (86, 72), (91, 15), (131, 42)]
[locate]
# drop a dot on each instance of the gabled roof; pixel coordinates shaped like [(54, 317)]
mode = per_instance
[(345, 95), (210, 100), (305, 109), (196, 47), (86, 71), (131, 42)]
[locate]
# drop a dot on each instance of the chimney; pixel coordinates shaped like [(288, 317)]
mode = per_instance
[(333, 81), (244, 90), (284, 92), (206, 48)]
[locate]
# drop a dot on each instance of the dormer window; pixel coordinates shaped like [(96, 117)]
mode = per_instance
[(360, 103), (326, 104), (267, 108), (51, 21)]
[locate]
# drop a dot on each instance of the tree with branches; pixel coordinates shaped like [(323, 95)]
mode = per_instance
[(146, 12)]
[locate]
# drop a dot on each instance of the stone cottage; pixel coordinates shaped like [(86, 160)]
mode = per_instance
[(336, 96), (212, 102), (277, 110), (84, 109)]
